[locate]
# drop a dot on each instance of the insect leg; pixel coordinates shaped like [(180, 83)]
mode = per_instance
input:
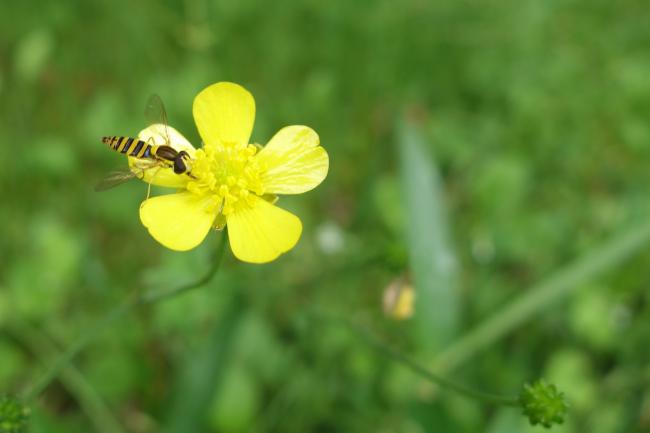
[(149, 183)]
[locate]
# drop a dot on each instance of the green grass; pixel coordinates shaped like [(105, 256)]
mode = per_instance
[(533, 122)]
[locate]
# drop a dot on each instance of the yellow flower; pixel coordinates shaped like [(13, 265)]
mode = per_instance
[(233, 182)]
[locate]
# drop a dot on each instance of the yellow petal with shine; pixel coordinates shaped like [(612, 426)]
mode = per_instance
[(293, 160), (261, 232), (178, 221), (162, 176), (224, 112)]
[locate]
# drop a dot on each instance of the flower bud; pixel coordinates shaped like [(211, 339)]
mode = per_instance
[(399, 299), (543, 404), (13, 416)]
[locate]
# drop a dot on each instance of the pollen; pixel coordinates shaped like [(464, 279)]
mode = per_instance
[(229, 173)]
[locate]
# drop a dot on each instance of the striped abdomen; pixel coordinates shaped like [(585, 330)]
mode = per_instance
[(129, 146)]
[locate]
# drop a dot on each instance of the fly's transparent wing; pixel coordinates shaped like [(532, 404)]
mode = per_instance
[(115, 178), (118, 177), (155, 113)]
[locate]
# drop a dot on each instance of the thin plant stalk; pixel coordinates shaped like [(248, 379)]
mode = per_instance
[(130, 303), (72, 379), (401, 358), (557, 286)]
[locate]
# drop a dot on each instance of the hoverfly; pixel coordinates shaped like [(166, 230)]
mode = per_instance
[(149, 154)]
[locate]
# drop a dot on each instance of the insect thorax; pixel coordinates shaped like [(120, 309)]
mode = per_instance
[(167, 153)]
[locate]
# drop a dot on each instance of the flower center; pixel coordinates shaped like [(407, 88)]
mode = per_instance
[(229, 173)]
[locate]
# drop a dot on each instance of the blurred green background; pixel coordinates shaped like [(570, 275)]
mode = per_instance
[(526, 146)]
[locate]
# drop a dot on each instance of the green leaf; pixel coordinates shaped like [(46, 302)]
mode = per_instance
[(432, 259), (203, 374)]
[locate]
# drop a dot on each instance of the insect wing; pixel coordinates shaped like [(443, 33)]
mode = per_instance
[(114, 179), (118, 177), (155, 113)]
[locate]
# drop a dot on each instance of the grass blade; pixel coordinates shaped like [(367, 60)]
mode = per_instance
[(543, 295), (201, 378), (432, 260)]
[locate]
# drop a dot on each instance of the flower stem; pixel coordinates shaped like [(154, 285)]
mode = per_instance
[(132, 301), (76, 384), (160, 295), (544, 294), (441, 381), (66, 357)]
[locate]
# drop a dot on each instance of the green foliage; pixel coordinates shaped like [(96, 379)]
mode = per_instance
[(534, 115)]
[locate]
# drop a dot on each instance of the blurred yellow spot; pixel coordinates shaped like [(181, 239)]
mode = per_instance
[(399, 299)]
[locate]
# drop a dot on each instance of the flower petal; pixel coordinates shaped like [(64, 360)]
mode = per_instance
[(162, 176), (293, 160), (260, 233), (178, 221), (224, 112)]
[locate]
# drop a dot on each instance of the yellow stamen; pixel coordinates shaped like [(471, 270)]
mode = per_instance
[(229, 172)]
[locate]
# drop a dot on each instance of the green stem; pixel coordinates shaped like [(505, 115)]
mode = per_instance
[(558, 285), (161, 295), (204, 371), (66, 357), (443, 382), (116, 313), (92, 403)]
